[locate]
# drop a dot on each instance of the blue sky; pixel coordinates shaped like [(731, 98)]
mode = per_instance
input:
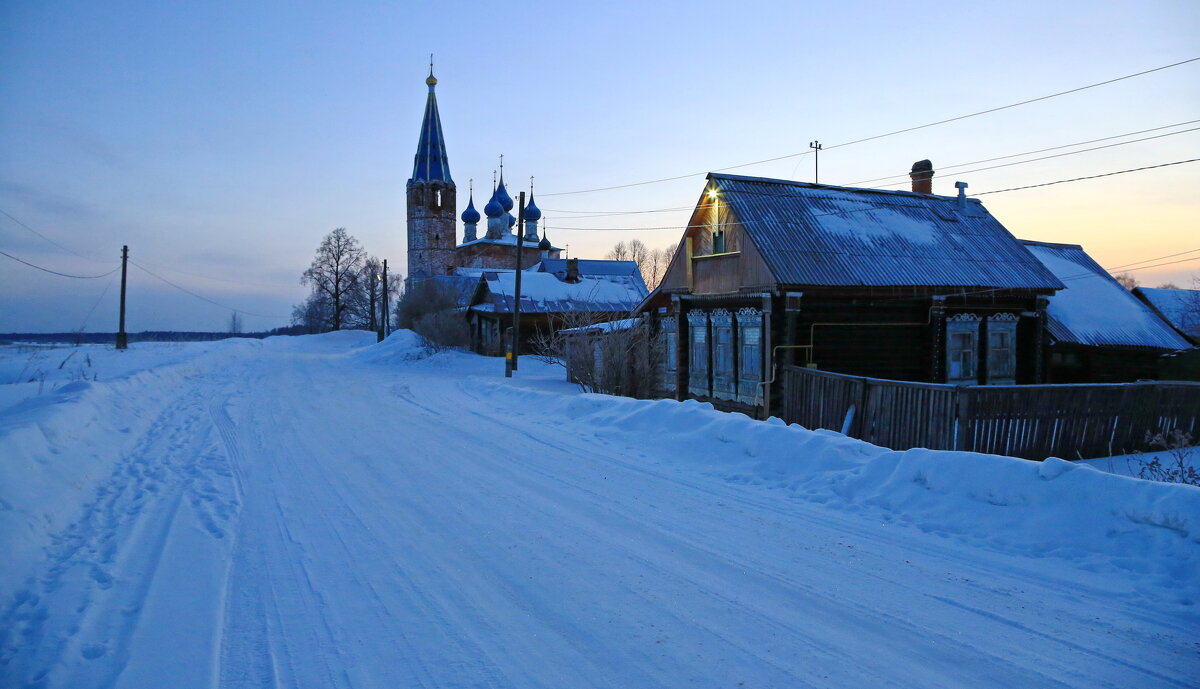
[(221, 141)]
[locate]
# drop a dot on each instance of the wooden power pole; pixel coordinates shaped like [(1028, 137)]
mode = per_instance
[(516, 338), (386, 320), (122, 338)]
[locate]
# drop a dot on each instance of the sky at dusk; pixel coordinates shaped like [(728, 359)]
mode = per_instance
[(221, 141)]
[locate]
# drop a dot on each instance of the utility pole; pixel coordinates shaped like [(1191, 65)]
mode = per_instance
[(816, 147), (387, 314), (516, 337), (122, 338)]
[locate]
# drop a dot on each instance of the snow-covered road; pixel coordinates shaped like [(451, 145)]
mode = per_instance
[(292, 513)]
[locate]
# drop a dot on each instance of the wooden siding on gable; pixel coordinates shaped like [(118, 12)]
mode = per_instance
[(739, 269)]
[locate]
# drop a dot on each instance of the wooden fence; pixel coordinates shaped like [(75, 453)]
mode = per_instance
[(1030, 421)]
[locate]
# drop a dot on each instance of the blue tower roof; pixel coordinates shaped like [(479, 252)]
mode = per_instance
[(532, 212), (493, 209), (502, 196), (470, 215), (431, 164)]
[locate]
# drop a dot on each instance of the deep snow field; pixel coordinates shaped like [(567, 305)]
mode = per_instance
[(325, 511)]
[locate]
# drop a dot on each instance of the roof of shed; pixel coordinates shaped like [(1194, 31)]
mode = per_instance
[(545, 293), (821, 235), (1095, 309), (592, 266), (1180, 307)]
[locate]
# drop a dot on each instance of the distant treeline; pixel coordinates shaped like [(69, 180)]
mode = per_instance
[(144, 336)]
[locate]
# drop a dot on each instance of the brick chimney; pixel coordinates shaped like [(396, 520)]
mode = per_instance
[(922, 177), (572, 270)]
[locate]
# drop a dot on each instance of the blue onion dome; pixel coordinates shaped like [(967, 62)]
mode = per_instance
[(512, 219), (502, 196), (545, 244), (493, 209), (470, 215), (532, 212)]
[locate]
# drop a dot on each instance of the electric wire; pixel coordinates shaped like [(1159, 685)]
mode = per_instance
[(200, 297), (39, 234), (880, 136), (103, 292), (55, 272), (871, 207), (1181, 253), (1079, 179), (598, 214), (1040, 150), (1056, 155), (241, 283)]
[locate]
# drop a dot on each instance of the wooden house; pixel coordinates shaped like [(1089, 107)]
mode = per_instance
[(890, 284), (1099, 332)]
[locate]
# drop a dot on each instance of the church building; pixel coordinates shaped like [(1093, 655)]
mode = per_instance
[(433, 249)]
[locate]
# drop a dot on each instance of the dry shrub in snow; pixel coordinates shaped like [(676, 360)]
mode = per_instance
[(1176, 468), (432, 311), (618, 358)]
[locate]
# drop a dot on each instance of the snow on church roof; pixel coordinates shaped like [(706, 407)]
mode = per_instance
[(1095, 309), (545, 293)]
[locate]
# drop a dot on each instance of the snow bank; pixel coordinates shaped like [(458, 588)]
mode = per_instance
[(50, 465), (401, 345), (1051, 508)]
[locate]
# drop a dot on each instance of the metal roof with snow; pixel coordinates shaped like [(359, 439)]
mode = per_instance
[(1095, 309), (821, 235), (545, 293), (592, 266), (1179, 307)]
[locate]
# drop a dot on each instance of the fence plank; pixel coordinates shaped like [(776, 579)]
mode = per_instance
[(1031, 421)]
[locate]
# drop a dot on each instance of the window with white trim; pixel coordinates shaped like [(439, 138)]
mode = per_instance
[(698, 353), (750, 355), (962, 348), (1002, 349), (722, 358)]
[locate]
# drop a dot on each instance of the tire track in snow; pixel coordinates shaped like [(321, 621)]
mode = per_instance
[(72, 625)]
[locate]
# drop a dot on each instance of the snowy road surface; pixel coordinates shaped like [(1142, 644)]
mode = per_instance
[(314, 512)]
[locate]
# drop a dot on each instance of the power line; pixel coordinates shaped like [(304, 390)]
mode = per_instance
[(98, 300), (55, 272), (858, 210), (209, 277), (64, 248), (202, 298), (1078, 179), (880, 136), (1059, 155), (1157, 258), (1043, 150)]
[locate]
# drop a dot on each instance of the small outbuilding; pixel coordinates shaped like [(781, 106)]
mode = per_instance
[(1179, 307), (1098, 331)]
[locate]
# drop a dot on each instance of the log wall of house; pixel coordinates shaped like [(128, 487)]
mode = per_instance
[(877, 338)]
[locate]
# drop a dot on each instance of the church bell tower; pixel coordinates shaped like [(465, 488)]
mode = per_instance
[(431, 201)]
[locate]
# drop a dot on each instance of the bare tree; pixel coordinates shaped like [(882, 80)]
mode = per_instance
[(366, 301), (1127, 281), (313, 314), (335, 273), (651, 263), (656, 266), (619, 252)]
